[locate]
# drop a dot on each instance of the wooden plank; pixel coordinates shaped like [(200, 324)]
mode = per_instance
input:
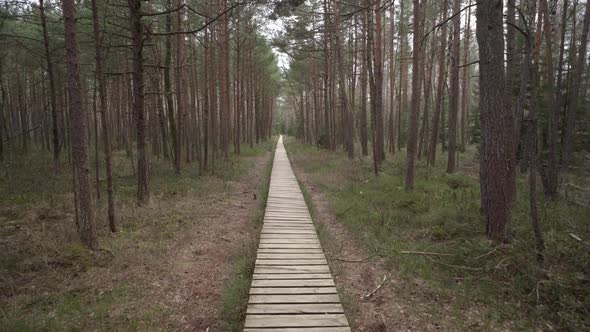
[(319, 308), (272, 262), (292, 290), (290, 251), (286, 234), (292, 269), (290, 256), (301, 329), (293, 283), (318, 320), (294, 276), (290, 246), (275, 230), (316, 298), (266, 240)]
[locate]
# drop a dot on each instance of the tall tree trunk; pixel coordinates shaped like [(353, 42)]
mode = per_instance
[(574, 98), (550, 173), (179, 86), (79, 143), (495, 120), (52, 92), (168, 91), (465, 86), (440, 84), (346, 113), (415, 113), (143, 194), (224, 81), (363, 82), (454, 87), (377, 116), (102, 95)]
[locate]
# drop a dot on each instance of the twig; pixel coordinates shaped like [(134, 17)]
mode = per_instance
[(226, 240), (376, 289), (487, 253), (353, 260), (423, 253)]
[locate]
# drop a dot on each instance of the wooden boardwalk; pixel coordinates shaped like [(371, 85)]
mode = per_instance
[(292, 288)]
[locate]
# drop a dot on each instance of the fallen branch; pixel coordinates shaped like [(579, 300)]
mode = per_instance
[(376, 289), (353, 260), (423, 253)]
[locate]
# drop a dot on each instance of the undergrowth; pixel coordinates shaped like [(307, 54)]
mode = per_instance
[(49, 281), (435, 234)]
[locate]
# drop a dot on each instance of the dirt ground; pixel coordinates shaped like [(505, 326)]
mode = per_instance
[(202, 264), (167, 268)]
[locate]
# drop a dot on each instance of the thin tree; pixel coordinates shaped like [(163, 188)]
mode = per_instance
[(415, 113), (454, 88), (102, 95), (575, 92), (440, 82), (52, 90)]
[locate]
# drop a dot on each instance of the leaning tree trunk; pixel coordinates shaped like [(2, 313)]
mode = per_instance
[(79, 125)]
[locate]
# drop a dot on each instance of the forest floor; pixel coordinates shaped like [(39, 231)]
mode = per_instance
[(441, 272), (183, 262)]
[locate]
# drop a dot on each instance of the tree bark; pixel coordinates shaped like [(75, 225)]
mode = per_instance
[(414, 115), (79, 127), (52, 91), (102, 95), (495, 120), (454, 87), (440, 82), (143, 194)]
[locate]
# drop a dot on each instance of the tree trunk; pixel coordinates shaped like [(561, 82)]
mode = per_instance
[(136, 28), (415, 113), (440, 82), (550, 173), (102, 95), (454, 87), (79, 126), (495, 120), (574, 99), (52, 92)]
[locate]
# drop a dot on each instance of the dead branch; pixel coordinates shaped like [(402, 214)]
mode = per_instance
[(376, 289)]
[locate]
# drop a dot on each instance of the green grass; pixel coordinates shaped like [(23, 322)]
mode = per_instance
[(235, 295), (441, 215), (49, 281)]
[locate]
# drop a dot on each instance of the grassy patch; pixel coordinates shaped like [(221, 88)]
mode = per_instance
[(48, 281), (442, 216), (235, 296)]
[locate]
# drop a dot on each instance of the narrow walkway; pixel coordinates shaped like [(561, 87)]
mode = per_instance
[(292, 288)]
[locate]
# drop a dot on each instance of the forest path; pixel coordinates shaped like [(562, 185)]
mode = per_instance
[(292, 288)]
